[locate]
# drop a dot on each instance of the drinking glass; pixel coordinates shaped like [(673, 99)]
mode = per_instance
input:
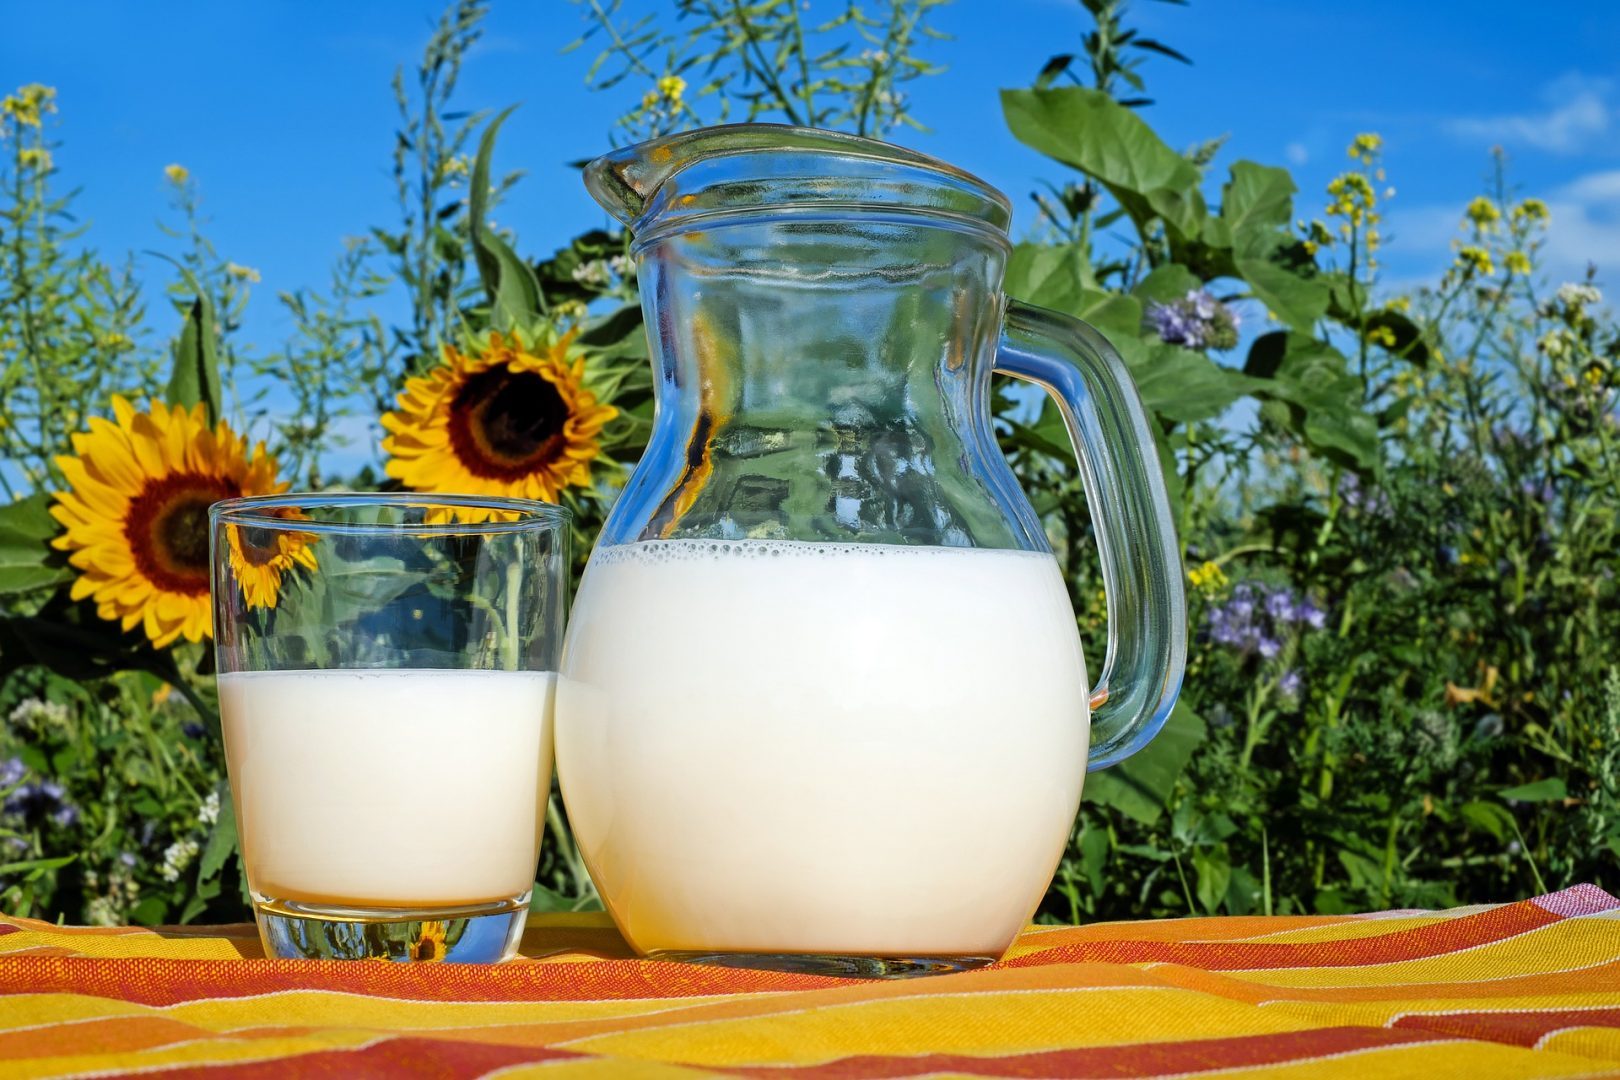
[(386, 674)]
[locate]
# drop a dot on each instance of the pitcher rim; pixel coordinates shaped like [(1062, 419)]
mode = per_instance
[(627, 181)]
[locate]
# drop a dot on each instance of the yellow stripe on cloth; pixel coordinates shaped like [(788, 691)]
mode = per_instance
[(1513, 990)]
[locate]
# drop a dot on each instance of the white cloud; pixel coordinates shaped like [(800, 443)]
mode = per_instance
[(1578, 115), (1296, 153)]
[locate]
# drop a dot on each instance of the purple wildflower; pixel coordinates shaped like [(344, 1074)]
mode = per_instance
[(1174, 324), (1310, 615), (1291, 683), (1373, 502), (1542, 492), (38, 801), (1280, 605), (1268, 647), (12, 770), (193, 730)]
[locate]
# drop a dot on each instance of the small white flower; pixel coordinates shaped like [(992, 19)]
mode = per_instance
[(208, 812), (623, 265), (176, 857), (1575, 295), (594, 272), (33, 713)]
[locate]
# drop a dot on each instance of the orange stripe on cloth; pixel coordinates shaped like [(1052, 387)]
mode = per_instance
[(1519, 1028), (1446, 936), (167, 982), (386, 1057)]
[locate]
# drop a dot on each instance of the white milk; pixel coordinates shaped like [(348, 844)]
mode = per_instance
[(825, 748), (403, 788)]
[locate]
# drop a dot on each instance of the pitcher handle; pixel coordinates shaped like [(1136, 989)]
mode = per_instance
[(1130, 513)]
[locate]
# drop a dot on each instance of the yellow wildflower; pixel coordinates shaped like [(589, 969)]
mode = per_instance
[(1401, 303), (1366, 147), (177, 174), (1382, 335), (29, 104), (672, 87), (34, 157), (1483, 213), (242, 273), (1472, 258), (1353, 198), (1517, 262), (1208, 579), (1531, 210), (649, 99)]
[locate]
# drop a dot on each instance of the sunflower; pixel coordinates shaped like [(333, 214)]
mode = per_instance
[(259, 556), (136, 514), (506, 421)]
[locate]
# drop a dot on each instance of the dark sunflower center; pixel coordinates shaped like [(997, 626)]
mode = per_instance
[(506, 424), (167, 530)]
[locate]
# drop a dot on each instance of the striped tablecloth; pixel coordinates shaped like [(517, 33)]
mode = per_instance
[(1522, 989)]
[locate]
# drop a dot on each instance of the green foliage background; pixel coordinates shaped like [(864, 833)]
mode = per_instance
[(1401, 691)]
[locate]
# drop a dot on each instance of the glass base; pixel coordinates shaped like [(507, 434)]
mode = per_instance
[(847, 967), (474, 934)]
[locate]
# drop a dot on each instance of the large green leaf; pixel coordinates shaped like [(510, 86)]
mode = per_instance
[(1323, 400), (1184, 385), (1112, 144), (1257, 198), (27, 561), (1139, 786), (195, 375), (513, 290), (1046, 275), (1287, 287), (1172, 281)]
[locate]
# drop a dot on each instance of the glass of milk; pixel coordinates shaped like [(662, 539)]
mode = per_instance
[(386, 674)]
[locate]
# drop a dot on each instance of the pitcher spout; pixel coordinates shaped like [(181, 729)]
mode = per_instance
[(750, 166)]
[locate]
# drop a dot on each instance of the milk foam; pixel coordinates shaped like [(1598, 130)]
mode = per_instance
[(841, 748)]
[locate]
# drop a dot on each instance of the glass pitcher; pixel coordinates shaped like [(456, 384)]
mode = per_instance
[(822, 704)]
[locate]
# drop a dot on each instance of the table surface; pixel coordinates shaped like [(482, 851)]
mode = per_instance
[(1530, 988)]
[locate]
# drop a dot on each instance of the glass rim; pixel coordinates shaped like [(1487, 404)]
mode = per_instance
[(260, 511)]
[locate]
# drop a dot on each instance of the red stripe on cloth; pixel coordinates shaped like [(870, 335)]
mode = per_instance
[(1131, 1060), (441, 1059), (1436, 939), (150, 981), (1515, 1028)]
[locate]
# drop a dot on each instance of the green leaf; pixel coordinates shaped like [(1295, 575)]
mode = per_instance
[(1139, 786), (1214, 871), (195, 375), (514, 291), (1172, 281), (1493, 818), (1551, 789), (35, 867), (1184, 385), (1047, 275), (27, 561), (74, 642), (1323, 401), (1257, 199), (1091, 131), (222, 841), (1279, 281)]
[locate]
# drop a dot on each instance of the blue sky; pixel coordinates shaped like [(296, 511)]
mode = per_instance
[(283, 113)]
